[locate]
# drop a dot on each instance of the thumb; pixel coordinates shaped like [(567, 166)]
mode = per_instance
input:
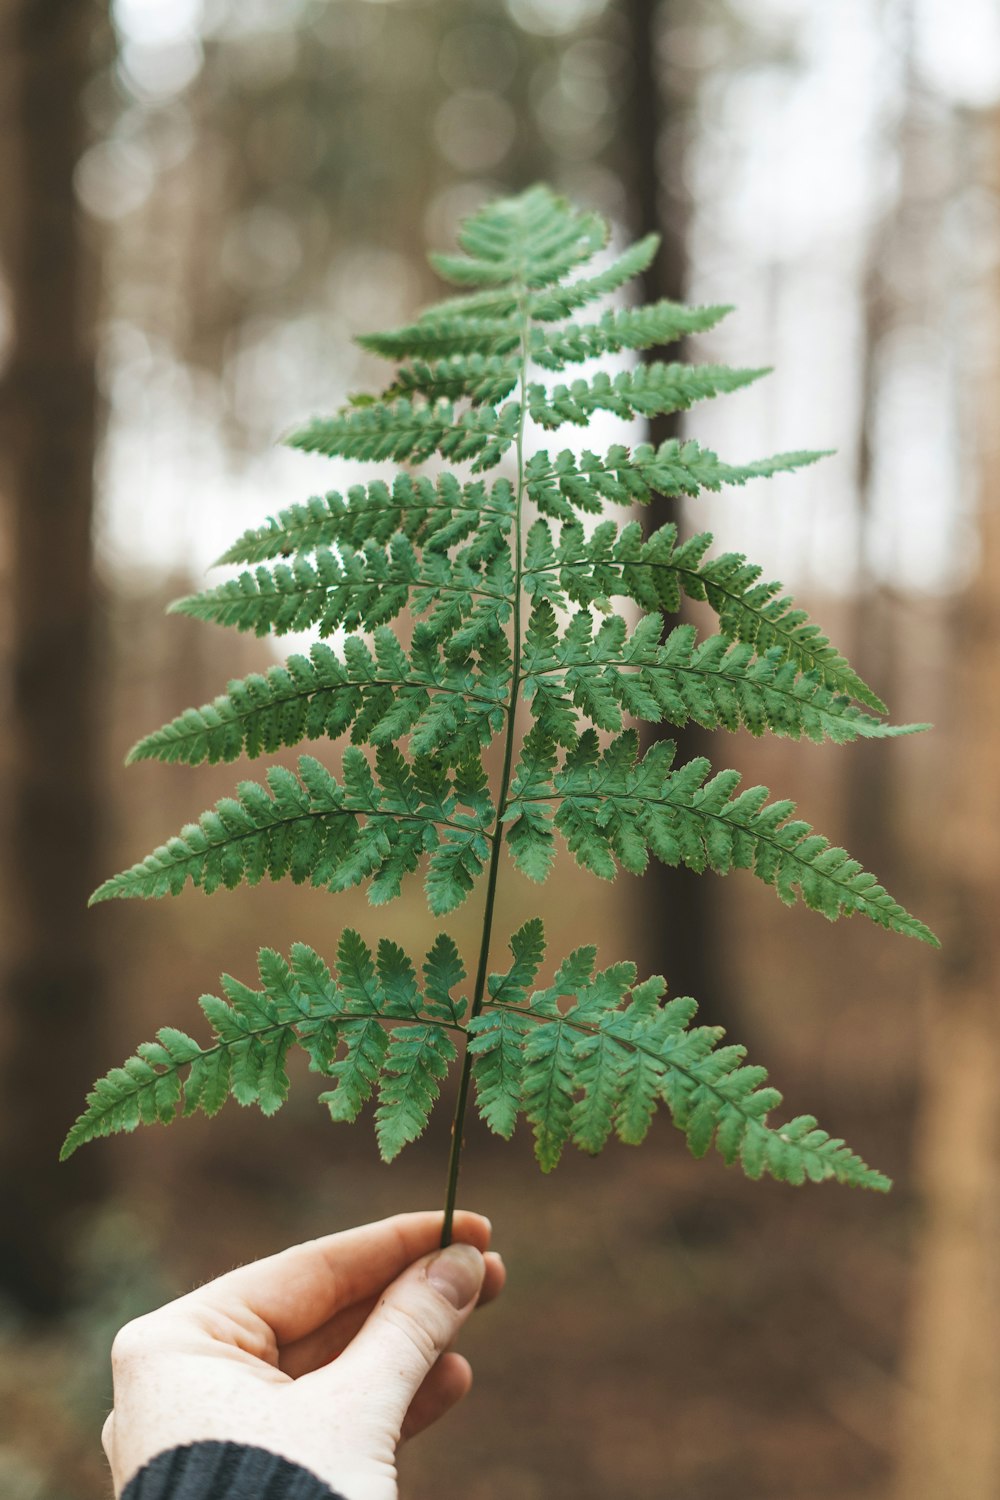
[(413, 1324)]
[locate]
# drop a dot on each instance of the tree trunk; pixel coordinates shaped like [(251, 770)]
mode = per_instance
[(52, 994), (682, 941), (901, 237), (951, 1428)]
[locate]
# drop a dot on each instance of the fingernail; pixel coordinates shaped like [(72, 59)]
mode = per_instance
[(457, 1273)]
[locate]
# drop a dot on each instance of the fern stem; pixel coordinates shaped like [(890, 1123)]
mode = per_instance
[(461, 1102)]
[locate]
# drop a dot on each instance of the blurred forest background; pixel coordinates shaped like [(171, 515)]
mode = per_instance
[(201, 201)]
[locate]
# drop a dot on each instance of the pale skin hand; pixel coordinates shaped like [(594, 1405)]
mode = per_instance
[(329, 1354)]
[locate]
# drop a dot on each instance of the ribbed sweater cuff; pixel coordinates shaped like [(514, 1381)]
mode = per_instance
[(224, 1471)]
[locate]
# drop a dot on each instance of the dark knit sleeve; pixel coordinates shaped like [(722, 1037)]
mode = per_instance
[(224, 1471)]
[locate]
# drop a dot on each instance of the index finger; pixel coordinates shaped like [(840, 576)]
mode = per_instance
[(299, 1289)]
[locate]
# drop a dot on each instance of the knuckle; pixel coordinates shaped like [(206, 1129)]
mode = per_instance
[(108, 1435), (129, 1343)]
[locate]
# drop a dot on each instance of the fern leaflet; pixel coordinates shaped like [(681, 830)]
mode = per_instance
[(576, 1072)]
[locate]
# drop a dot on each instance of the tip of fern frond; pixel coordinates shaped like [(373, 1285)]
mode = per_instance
[(295, 437), (105, 892), (67, 1148), (180, 606)]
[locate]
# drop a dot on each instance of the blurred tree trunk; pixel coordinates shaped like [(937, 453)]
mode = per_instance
[(868, 780), (901, 243), (951, 1429), (51, 990), (681, 939)]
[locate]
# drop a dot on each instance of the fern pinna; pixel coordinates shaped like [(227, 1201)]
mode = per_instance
[(511, 636)]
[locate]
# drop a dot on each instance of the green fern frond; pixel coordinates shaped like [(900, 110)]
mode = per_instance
[(569, 482), (336, 835), (649, 327), (576, 1072), (615, 809), (484, 704), (539, 244), (438, 336), (647, 391), (481, 379), (435, 515), (360, 590), (415, 1062), (412, 431), (343, 1024), (656, 572), (453, 708), (717, 683), (552, 305), (604, 1063)]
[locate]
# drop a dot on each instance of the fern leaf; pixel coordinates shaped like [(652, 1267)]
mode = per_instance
[(559, 302), (363, 589), (501, 612), (614, 809), (655, 573), (598, 1067), (496, 1036), (340, 1023), (548, 1087), (253, 1030), (357, 1072), (528, 949), (660, 323), (569, 482), (496, 1043), (412, 431), (647, 391), (443, 970), (535, 239), (310, 827), (445, 706), (606, 1061), (446, 333), (329, 592), (136, 1093), (717, 684), (416, 1061), (434, 514), (484, 380)]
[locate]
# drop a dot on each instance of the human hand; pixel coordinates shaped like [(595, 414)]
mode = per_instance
[(328, 1354)]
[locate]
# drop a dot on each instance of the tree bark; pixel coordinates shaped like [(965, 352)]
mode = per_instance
[(951, 1421), (682, 939), (903, 236), (52, 999)]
